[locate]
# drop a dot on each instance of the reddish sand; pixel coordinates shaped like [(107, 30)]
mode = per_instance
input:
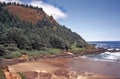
[(33, 66)]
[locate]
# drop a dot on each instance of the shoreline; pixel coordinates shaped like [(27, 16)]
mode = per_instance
[(28, 58), (59, 67), (60, 63)]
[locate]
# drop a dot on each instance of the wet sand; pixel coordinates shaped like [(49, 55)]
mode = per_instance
[(99, 67)]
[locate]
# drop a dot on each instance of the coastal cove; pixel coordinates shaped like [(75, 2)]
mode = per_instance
[(34, 45), (66, 65), (80, 66)]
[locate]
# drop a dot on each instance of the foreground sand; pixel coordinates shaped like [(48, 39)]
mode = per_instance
[(53, 69)]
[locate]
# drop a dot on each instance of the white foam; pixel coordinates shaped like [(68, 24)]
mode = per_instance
[(83, 56), (110, 49), (107, 56), (117, 49), (111, 56)]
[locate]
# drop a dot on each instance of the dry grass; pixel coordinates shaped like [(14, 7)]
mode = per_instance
[(26, 14)]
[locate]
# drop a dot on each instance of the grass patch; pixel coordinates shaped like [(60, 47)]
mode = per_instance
[(22, 75), (2, 76), (42, 52), (79, 49), (73, 46), (15, 54), (19, 53), (54, 51)]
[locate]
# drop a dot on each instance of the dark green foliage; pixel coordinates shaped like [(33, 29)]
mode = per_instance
[(36, 41), (57, 42), (2, 50), (81, 44), (16, 34)]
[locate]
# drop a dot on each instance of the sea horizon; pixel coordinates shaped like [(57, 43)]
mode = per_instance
[(104, 41)]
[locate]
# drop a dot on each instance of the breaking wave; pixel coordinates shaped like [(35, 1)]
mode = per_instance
[(107, 56)]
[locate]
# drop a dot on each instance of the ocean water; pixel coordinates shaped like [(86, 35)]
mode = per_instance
[(106, 56), (106, 44)]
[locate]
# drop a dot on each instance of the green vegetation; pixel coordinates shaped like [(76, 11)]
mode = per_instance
[(16, 54), (75, 48), (41, 52), (44, 52), (2, 76), (44, 37), (22, 75)]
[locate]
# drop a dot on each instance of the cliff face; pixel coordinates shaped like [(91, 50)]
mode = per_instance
[(30, 28)]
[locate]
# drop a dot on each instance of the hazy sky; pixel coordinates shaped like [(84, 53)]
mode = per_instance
[(94, 20)]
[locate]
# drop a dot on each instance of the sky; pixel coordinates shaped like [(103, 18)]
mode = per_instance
[(94, 20)]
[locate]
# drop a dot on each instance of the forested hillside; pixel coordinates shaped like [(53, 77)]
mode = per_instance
[(24, 27)]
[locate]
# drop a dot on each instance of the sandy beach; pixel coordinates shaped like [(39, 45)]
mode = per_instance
[(70, 68)]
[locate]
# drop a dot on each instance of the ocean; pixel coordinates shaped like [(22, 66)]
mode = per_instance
[(106, 44), (107, 63), (106, 56)]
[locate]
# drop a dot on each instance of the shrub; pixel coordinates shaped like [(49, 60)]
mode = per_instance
[(81, 44), (57, 42)]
